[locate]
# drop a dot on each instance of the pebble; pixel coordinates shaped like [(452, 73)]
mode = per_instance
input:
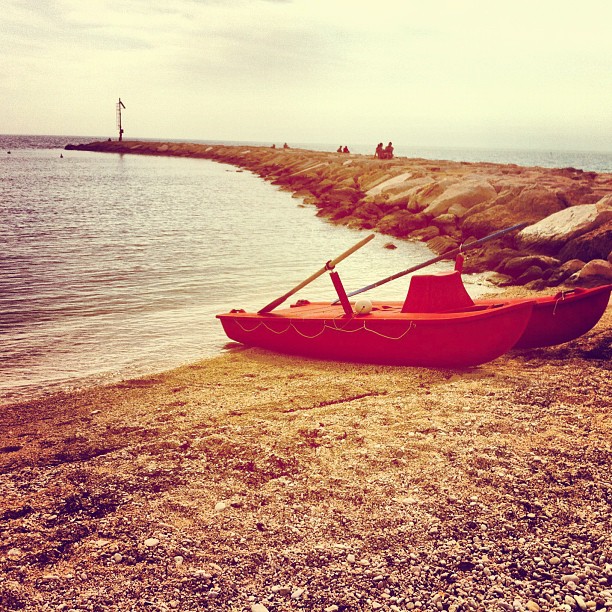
[(257, 607), (570, 578), (281, 589), (580, 602), (220, 506), (151, 542), (297, 593), (532, 606), (13, 554)]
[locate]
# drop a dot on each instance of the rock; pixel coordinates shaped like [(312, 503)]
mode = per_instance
[(595, 272), (509, 208), (442, 244), (389, 183), (390, 246), (564, 271), (369, 210), (532, 273), (425, 234), (580, 602), (447, 219), (596, 244), (220, 506), (421, 196), (488, 257), (297, 593), (532, 606), (151, 542), (552, 233), (457, 210), (465, 194), (517, 265), (401, 223), (500, 280), (257, 607), (567, 578)]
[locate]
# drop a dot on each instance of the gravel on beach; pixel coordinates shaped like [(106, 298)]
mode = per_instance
[(254, 482)]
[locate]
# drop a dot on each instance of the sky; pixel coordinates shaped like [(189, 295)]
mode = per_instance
[(526, 74)]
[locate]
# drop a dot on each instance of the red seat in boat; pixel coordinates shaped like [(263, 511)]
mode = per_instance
[(437, 293)]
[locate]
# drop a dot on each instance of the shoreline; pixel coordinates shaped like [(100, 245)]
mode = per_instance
[(442, 203), (260, 479)]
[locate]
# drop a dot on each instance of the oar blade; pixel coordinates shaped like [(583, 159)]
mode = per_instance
[(272, 305)]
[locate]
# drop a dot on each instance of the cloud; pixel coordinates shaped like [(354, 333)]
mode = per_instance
[(470, 71)]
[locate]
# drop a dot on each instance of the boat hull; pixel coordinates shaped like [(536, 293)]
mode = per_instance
[(385, 335), (562, 317)]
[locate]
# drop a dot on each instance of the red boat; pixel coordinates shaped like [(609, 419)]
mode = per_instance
[(437, 326), (555, 319), (465, 334), (562, 317)]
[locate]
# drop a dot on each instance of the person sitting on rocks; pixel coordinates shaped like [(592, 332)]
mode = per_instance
[(339, 149), (346, 149), (379, 151), (389, 151)]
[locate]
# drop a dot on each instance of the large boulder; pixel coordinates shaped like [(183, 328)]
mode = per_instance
[(401, 223), (595, 244), (594, 273), (442, 244), (511, 207), (389, 183), (420, 196), (550, 234), (425, 234), (564, 271), (462, 196), (518, 265)]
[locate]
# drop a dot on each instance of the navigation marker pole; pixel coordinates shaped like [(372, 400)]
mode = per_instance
[(120, 105)]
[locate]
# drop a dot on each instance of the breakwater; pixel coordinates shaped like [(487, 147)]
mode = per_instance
[(443, 203)]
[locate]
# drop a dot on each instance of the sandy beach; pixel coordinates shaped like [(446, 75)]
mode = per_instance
[(255, 481)]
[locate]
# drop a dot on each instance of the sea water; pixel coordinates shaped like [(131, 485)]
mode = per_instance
[(114, 266)]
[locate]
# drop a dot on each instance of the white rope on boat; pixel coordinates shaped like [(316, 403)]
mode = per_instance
[(334, 327), (561, 298)]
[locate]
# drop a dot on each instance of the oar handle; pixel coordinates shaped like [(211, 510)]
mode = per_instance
[(355, 247), (328, 266)]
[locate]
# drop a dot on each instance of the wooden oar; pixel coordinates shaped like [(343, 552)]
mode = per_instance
[(447, 255), (328, 266)]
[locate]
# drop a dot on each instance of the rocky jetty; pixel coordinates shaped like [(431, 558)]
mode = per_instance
[(444, 203)]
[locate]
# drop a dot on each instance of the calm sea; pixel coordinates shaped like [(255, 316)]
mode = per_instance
[(113, 266)]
